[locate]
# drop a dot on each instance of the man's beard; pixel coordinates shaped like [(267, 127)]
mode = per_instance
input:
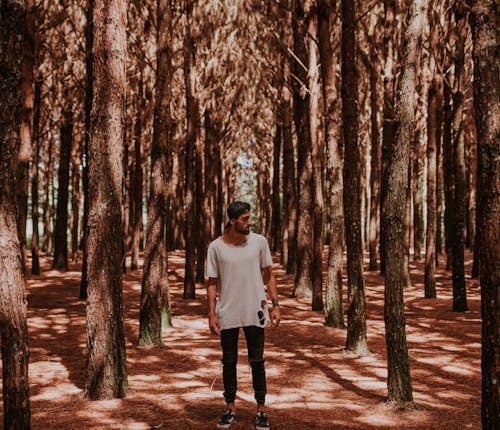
[(242, 230)]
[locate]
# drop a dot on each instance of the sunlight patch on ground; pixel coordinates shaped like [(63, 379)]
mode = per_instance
[(55, 393)]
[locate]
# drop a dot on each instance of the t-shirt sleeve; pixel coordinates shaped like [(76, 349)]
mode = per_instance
[(265, 254), (212, 264)]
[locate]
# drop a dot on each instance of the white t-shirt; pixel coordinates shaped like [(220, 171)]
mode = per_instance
[(242, 299)]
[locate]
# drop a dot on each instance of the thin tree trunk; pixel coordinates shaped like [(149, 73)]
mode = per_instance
[(35, 251), (389, 125), (106, 368), (356, 315), (317, 165), (155, 310), (75, 199), (439, 176), (334, 310), (13, 304), (305, 221), (61, 230), (276, 200), (25, 151), (448, 170), (47, 238), (138, 179), (374, 224), (417, 174), (458, 216), (192, 137), (434, 101), (290, 187), (484, 19), (89, 78), (399, 381), (203, 241)]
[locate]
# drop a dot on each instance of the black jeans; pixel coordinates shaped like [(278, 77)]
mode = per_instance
[(255, 345)]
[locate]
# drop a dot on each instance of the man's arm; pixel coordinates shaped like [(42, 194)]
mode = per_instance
[(272, 290), (213, 322)]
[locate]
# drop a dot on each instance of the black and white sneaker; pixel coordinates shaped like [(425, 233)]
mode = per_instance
[(227, 420), (261, 421)]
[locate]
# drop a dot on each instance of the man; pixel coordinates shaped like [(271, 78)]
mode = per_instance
[(238, 266)]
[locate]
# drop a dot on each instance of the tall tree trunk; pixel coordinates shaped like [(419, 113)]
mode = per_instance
[(61, 229), (89, 78), (305, 220), (203, 239), (477, 237), (458, 216), (47, 238), (106, 367), (289, 186), (439, 175), (192, 137), (35, 250), (155, 310), (276, 199), (448, 169), (13, 305), (138, 179), (334, 310), (374, 224), (317, 165), (356, 315), (484, 19), (210, 178), (417, 191), (433, 137), (389, 125), (399, 380), (75, 198), (25, 151)]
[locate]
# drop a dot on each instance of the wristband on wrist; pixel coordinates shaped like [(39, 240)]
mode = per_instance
[(275, 303)]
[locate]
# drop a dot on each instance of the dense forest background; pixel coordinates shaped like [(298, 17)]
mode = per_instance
[(354, 129)]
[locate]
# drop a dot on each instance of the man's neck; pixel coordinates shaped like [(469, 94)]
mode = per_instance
[(232, 237)]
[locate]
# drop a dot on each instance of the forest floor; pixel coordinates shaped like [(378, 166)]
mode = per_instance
[(313, 383)]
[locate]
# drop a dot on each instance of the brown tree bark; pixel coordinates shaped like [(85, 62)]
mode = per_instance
[(356, 314), (61, 229), (371, 64), (305, 221), (399, 380), (433, 137), (136, 196), (203, 239), (192, 138), (289, 186), (458, 216), (25, 151), (47, 237), (484, 23), (448, 168), (35, 250), (289, 252), (275, 237), (334, 310), (106, 369), (75, 198), (155, 312), (89, 78), (13, 305), (389, 125), (317, 164)]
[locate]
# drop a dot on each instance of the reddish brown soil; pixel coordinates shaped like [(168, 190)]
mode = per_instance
[(313, 382)]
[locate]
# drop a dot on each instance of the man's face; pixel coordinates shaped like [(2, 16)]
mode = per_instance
[(243, 223)]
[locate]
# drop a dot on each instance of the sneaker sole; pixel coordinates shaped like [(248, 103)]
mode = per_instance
[(225, 426)]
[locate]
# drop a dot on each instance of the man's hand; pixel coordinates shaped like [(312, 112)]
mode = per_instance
[(275, 316), (214, 324)]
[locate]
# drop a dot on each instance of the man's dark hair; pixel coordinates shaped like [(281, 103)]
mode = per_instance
[(235, 209)]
